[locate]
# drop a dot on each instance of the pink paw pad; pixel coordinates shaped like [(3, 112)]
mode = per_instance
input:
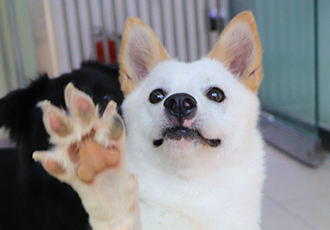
[(91, 158)]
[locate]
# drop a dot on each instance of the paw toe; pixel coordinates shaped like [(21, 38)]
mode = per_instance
[(56, 121), (84, 109), (53, 167), (60, 124), (114, 121), (80, 105), (49, 164), (117, 127)]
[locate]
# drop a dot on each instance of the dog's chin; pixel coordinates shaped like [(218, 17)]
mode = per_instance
[(185, 136)]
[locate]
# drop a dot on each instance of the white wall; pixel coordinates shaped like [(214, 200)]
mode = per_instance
[(166, 34)]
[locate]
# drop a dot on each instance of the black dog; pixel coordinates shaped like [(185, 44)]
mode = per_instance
[(30, 198)]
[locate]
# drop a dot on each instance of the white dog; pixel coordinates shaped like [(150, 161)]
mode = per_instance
[(192, 138)]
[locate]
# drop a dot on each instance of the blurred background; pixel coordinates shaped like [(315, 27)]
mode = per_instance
[(54, 36)]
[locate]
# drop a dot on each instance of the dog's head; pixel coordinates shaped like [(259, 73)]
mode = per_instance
[(179, 107)]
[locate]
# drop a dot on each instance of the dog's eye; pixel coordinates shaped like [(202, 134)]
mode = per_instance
[(156, 96), (107, 97), (215, 94)]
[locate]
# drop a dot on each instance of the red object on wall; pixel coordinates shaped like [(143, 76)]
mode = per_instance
[(112, 51)]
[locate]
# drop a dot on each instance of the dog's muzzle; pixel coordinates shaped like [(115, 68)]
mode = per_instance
[(181, 109)]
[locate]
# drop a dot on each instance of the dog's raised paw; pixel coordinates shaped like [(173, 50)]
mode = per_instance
[(89, 154), (85, 142)]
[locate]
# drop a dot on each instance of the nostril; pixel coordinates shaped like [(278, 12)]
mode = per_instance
[(171, 104), (188, 103)]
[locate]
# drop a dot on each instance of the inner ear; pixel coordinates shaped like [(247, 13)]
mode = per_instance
[(138, 52), (241, 51), (141, 51)]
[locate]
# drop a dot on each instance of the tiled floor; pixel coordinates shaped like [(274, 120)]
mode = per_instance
[(296, 197)]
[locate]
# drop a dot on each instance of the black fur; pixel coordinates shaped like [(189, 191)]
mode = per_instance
[(30, 199)]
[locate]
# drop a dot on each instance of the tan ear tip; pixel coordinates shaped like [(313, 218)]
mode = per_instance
[(246, 16), (133, 21), (247, 13)]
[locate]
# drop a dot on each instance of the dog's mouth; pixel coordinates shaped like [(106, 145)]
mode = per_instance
[(177, 133)]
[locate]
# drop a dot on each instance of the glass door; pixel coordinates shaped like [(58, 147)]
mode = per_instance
[(289, 91)]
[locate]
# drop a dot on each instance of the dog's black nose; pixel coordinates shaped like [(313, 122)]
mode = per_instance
[(181, 105)]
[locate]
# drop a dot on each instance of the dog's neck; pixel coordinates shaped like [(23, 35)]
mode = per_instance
[(191, 165), (194, 182)]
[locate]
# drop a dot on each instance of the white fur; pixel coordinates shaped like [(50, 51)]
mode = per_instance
[(187, 185)]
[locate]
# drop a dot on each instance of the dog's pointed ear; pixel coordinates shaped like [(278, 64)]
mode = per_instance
[(239, 49), (140, 52)]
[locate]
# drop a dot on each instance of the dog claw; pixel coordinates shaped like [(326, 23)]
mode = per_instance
[(37, 156), (110, 110)]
